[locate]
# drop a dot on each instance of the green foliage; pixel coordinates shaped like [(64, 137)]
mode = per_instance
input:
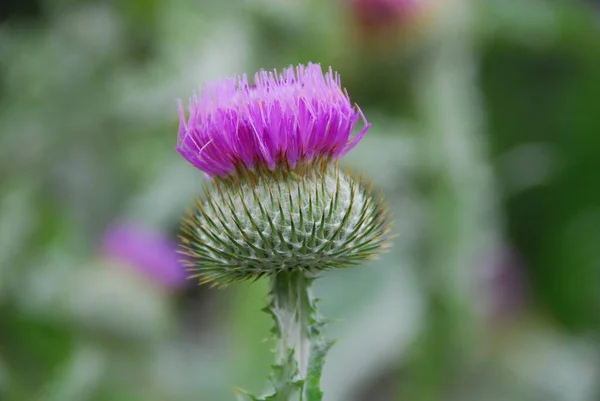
[(544, 123)]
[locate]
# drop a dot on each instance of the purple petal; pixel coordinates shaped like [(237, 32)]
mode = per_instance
[(282, 118)]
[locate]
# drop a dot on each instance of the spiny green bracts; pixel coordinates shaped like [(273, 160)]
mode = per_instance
[(310, 218)]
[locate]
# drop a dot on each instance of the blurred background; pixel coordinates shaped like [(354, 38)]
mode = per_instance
[(485, 142)]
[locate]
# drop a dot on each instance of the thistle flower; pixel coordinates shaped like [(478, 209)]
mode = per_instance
[(282, 119), (148, 252), (279, 205), (279, 200)]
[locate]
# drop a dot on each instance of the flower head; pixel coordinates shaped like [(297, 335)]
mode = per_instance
[(281, 119), (150, 253), (279, 200)]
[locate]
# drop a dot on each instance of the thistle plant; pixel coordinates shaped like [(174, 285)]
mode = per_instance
[(278, 204)]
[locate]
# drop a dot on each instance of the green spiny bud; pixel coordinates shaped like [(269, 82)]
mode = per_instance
[(259, 223)]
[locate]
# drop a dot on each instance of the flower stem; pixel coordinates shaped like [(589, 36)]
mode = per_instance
[(290, 307), (300, 349)]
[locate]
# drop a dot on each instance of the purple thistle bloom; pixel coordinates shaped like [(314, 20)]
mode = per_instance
[(284, 118), (150, 253)]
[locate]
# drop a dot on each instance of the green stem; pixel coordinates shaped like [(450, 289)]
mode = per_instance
[(290, 307), (300, 349)]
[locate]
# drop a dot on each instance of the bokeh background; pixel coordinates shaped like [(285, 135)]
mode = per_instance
[(485, 142)]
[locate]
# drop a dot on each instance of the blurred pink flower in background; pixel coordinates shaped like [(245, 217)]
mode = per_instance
[(507, 283), (148, 252), (384, 27), (374, 14)]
